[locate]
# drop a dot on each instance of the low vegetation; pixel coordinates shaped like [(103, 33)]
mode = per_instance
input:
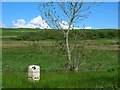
[(55, 35), (98, 58)]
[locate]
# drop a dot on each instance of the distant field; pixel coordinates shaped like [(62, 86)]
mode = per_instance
[(23, 47)]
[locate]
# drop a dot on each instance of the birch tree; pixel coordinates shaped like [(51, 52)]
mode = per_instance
[(64, 17)]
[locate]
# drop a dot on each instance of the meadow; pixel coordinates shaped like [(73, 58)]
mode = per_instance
[(23, 47)]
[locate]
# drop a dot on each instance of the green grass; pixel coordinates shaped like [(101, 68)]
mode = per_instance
[(19, 54), (52, 72), (15, 32), (15, 57), (62, 80)]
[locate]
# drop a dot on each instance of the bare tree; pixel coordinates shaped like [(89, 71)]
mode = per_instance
[(69, 14)]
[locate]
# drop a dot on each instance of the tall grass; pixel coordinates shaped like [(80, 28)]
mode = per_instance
[(52, 59), (53, 74), (62, 80)]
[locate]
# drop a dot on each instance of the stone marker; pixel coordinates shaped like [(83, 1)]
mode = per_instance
[(34, 72)]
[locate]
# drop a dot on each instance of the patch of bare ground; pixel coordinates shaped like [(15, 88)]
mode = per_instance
[(88, 47), (13, 44), (102, 47), (25, 44), (44, 43)]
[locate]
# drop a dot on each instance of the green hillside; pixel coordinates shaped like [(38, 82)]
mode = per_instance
[(46, 48)]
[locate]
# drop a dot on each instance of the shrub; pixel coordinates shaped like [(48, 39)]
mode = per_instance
[(55, 35)]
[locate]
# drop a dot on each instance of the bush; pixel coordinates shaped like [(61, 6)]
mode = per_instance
[(55, 35)]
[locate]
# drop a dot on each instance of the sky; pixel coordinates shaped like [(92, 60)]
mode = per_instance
[(27, 15)]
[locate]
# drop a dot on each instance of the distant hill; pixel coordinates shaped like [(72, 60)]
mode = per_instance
[(40, 34)]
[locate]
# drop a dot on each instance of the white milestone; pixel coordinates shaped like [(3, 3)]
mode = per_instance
[(34, 72)]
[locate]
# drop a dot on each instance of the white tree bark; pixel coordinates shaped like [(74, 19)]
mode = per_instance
[(68, 50)]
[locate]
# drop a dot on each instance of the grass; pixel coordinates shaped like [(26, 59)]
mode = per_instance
[(18, 55), (26, 56), (52, 72), (63, 80)]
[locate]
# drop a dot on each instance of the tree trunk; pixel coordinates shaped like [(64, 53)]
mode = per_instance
[(68, 51), (75, 52)]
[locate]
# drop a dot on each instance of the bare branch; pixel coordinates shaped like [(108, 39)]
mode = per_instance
[(87, 8), (63, 9), (79, 7), (70, 12)]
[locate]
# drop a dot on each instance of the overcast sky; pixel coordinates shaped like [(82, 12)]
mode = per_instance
[(26, 14)]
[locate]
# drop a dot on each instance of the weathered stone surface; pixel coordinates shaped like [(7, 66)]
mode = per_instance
[(34, 72)]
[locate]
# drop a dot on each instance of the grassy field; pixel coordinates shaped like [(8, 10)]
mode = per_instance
[(21, 48)]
